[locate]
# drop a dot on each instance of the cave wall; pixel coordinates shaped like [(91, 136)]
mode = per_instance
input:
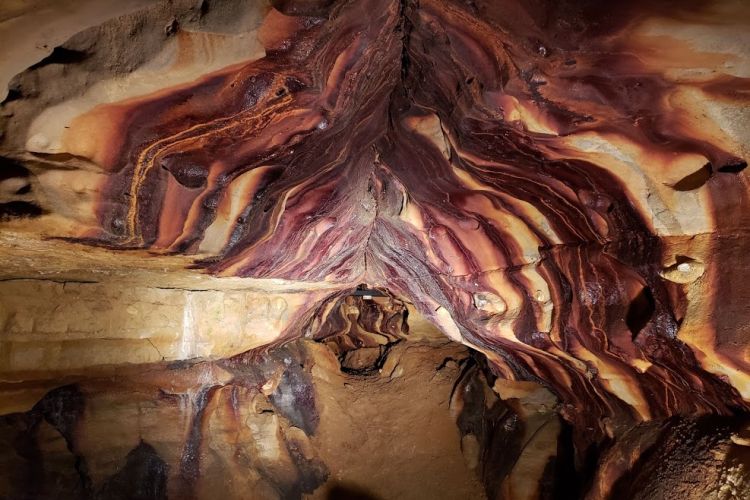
[(561, 187)]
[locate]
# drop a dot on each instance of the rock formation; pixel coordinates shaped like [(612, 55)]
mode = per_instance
[(375, 249)]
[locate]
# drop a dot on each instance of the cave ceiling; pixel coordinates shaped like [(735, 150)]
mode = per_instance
[(560, 186)]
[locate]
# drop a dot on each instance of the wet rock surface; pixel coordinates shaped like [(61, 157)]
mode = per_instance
[(374, 247)]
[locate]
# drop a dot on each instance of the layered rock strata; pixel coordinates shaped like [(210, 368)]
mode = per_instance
[(558, 186)]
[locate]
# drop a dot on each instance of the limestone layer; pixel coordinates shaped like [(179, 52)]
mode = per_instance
[(559, 185)]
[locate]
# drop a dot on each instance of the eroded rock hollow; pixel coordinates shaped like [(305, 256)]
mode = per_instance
[(374, 249)]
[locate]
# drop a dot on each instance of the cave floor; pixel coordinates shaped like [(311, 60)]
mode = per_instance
[(391, 434)]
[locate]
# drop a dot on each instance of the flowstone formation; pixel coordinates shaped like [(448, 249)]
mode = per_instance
[(375, 249)]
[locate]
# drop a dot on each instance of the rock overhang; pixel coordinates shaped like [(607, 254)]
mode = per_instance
[(538, 181)]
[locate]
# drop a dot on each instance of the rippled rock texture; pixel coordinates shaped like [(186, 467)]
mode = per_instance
[(561, 187)]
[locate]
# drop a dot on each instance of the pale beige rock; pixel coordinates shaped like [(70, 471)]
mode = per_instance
[(34, 28), (90, 306), (52, 326)]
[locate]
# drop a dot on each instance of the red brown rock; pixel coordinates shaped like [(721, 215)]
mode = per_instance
[(558, 186)]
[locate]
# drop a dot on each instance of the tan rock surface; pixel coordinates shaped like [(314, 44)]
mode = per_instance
[(237, 238)]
